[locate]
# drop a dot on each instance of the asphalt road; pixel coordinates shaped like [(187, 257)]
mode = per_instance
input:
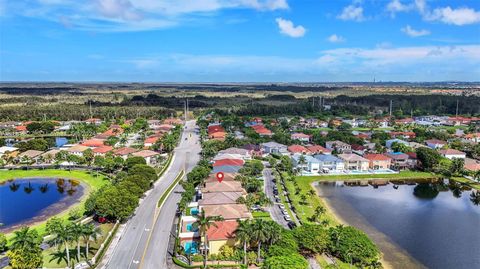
[(145, 239), (275, 211)]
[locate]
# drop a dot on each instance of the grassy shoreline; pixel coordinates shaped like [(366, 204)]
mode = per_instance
[(91, 181)]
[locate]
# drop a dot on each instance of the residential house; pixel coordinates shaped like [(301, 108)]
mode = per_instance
[(404, 121), (233, 162), (101, 151), (254, 150), (95, 121), (8, 150), (124, 152), (472, 165), (301, 137), (378, 161), (93, 143), (316, 149), (354, 162), (150, 141), (358, 149), (296, 149), (399, 160), (262, 131), (228, 212), (220, 234), (339, 146), (173, 121), (149, 156), (77, 150), (29, 156), (390, 142), (238, 151), (227, 168), (219, 198), (49, 156), (435, 143), (224, 186), (330, 163), (274, 148), (189, 234), (474, 137), (452, 154), (415, 145), (406, 135), (226, 177), (310, 164), (412, 160)]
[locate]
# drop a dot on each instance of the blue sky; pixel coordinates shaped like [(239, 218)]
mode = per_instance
[(239, 40)]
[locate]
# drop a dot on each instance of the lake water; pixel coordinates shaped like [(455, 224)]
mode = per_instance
[(25, 201), (433, 225)]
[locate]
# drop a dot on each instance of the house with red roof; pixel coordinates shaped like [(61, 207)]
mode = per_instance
[(93, 143), (221, 234), (262, 131), (124, 152), (301, 137), (404, 121), (295, 149), (317, 149), (378, 161), (408, 135), (101, 151), (474, 137), (452, 154), (149, 141), (231, 162)]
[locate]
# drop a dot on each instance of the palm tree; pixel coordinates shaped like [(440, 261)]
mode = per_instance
[(274, 232), (260, 234), (77, 233), (203, 223), (476, 176), (90, 232), (25, 238), (302, 161), (243, 233), (63, 235)]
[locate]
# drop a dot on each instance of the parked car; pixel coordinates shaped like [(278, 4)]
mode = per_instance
[(291, 224)]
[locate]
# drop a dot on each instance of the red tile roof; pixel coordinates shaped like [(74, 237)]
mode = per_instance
[(102, 149), (297, 149), (124, 151), (151, 140), (318, 149), (234, 162), (376, 157), (93, 143), (215, 128), (224, 230)]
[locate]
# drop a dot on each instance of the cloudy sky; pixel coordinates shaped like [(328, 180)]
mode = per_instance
[(239, 40)]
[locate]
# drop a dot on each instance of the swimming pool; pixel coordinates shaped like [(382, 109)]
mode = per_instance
[(191, 247)]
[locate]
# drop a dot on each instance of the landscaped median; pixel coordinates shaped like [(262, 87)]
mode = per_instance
[(92, 180), (170, 188)]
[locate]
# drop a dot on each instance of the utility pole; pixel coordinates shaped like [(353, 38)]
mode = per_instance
[(391, 104), (456, 111)]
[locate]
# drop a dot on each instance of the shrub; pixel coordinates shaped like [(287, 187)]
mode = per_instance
[(290, 261), (3, 242)]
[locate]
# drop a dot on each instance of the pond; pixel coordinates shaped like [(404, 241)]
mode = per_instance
[(424, 224), (26, 201)]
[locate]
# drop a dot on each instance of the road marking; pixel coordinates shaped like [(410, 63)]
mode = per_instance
[(138, 243)]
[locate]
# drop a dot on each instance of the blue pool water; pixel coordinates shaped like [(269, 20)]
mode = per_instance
[(60, 141), (194, 211), (191, 247)]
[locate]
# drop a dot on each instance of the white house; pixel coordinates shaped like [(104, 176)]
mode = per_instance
[(311, 164), (435, 143), (274, 147), (338, 145), (452, 154), (330, 163)]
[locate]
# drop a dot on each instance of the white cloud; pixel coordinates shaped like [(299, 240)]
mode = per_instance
[(131, 15), (396, 6), (414, 33), (456, 16), (336, 39), (459, 16), (288, 28), (352, 13)]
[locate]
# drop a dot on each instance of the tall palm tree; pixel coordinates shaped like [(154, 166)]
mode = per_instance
[(260, 234), (77, 234), (63, 235), (274, 232), (302, 161), (203, 223), (90, 232), (243, 233)]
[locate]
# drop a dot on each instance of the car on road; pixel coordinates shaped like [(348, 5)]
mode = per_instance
[(282, 206), (287, 218), (291, 224)]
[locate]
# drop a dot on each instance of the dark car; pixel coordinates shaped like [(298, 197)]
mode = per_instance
[(291, 224)]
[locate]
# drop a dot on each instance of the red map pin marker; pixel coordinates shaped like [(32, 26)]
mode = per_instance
[(220, 176)]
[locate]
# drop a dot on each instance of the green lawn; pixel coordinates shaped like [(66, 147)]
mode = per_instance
[(93, 182), (56, 258), (471, 183), (261, 215)]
